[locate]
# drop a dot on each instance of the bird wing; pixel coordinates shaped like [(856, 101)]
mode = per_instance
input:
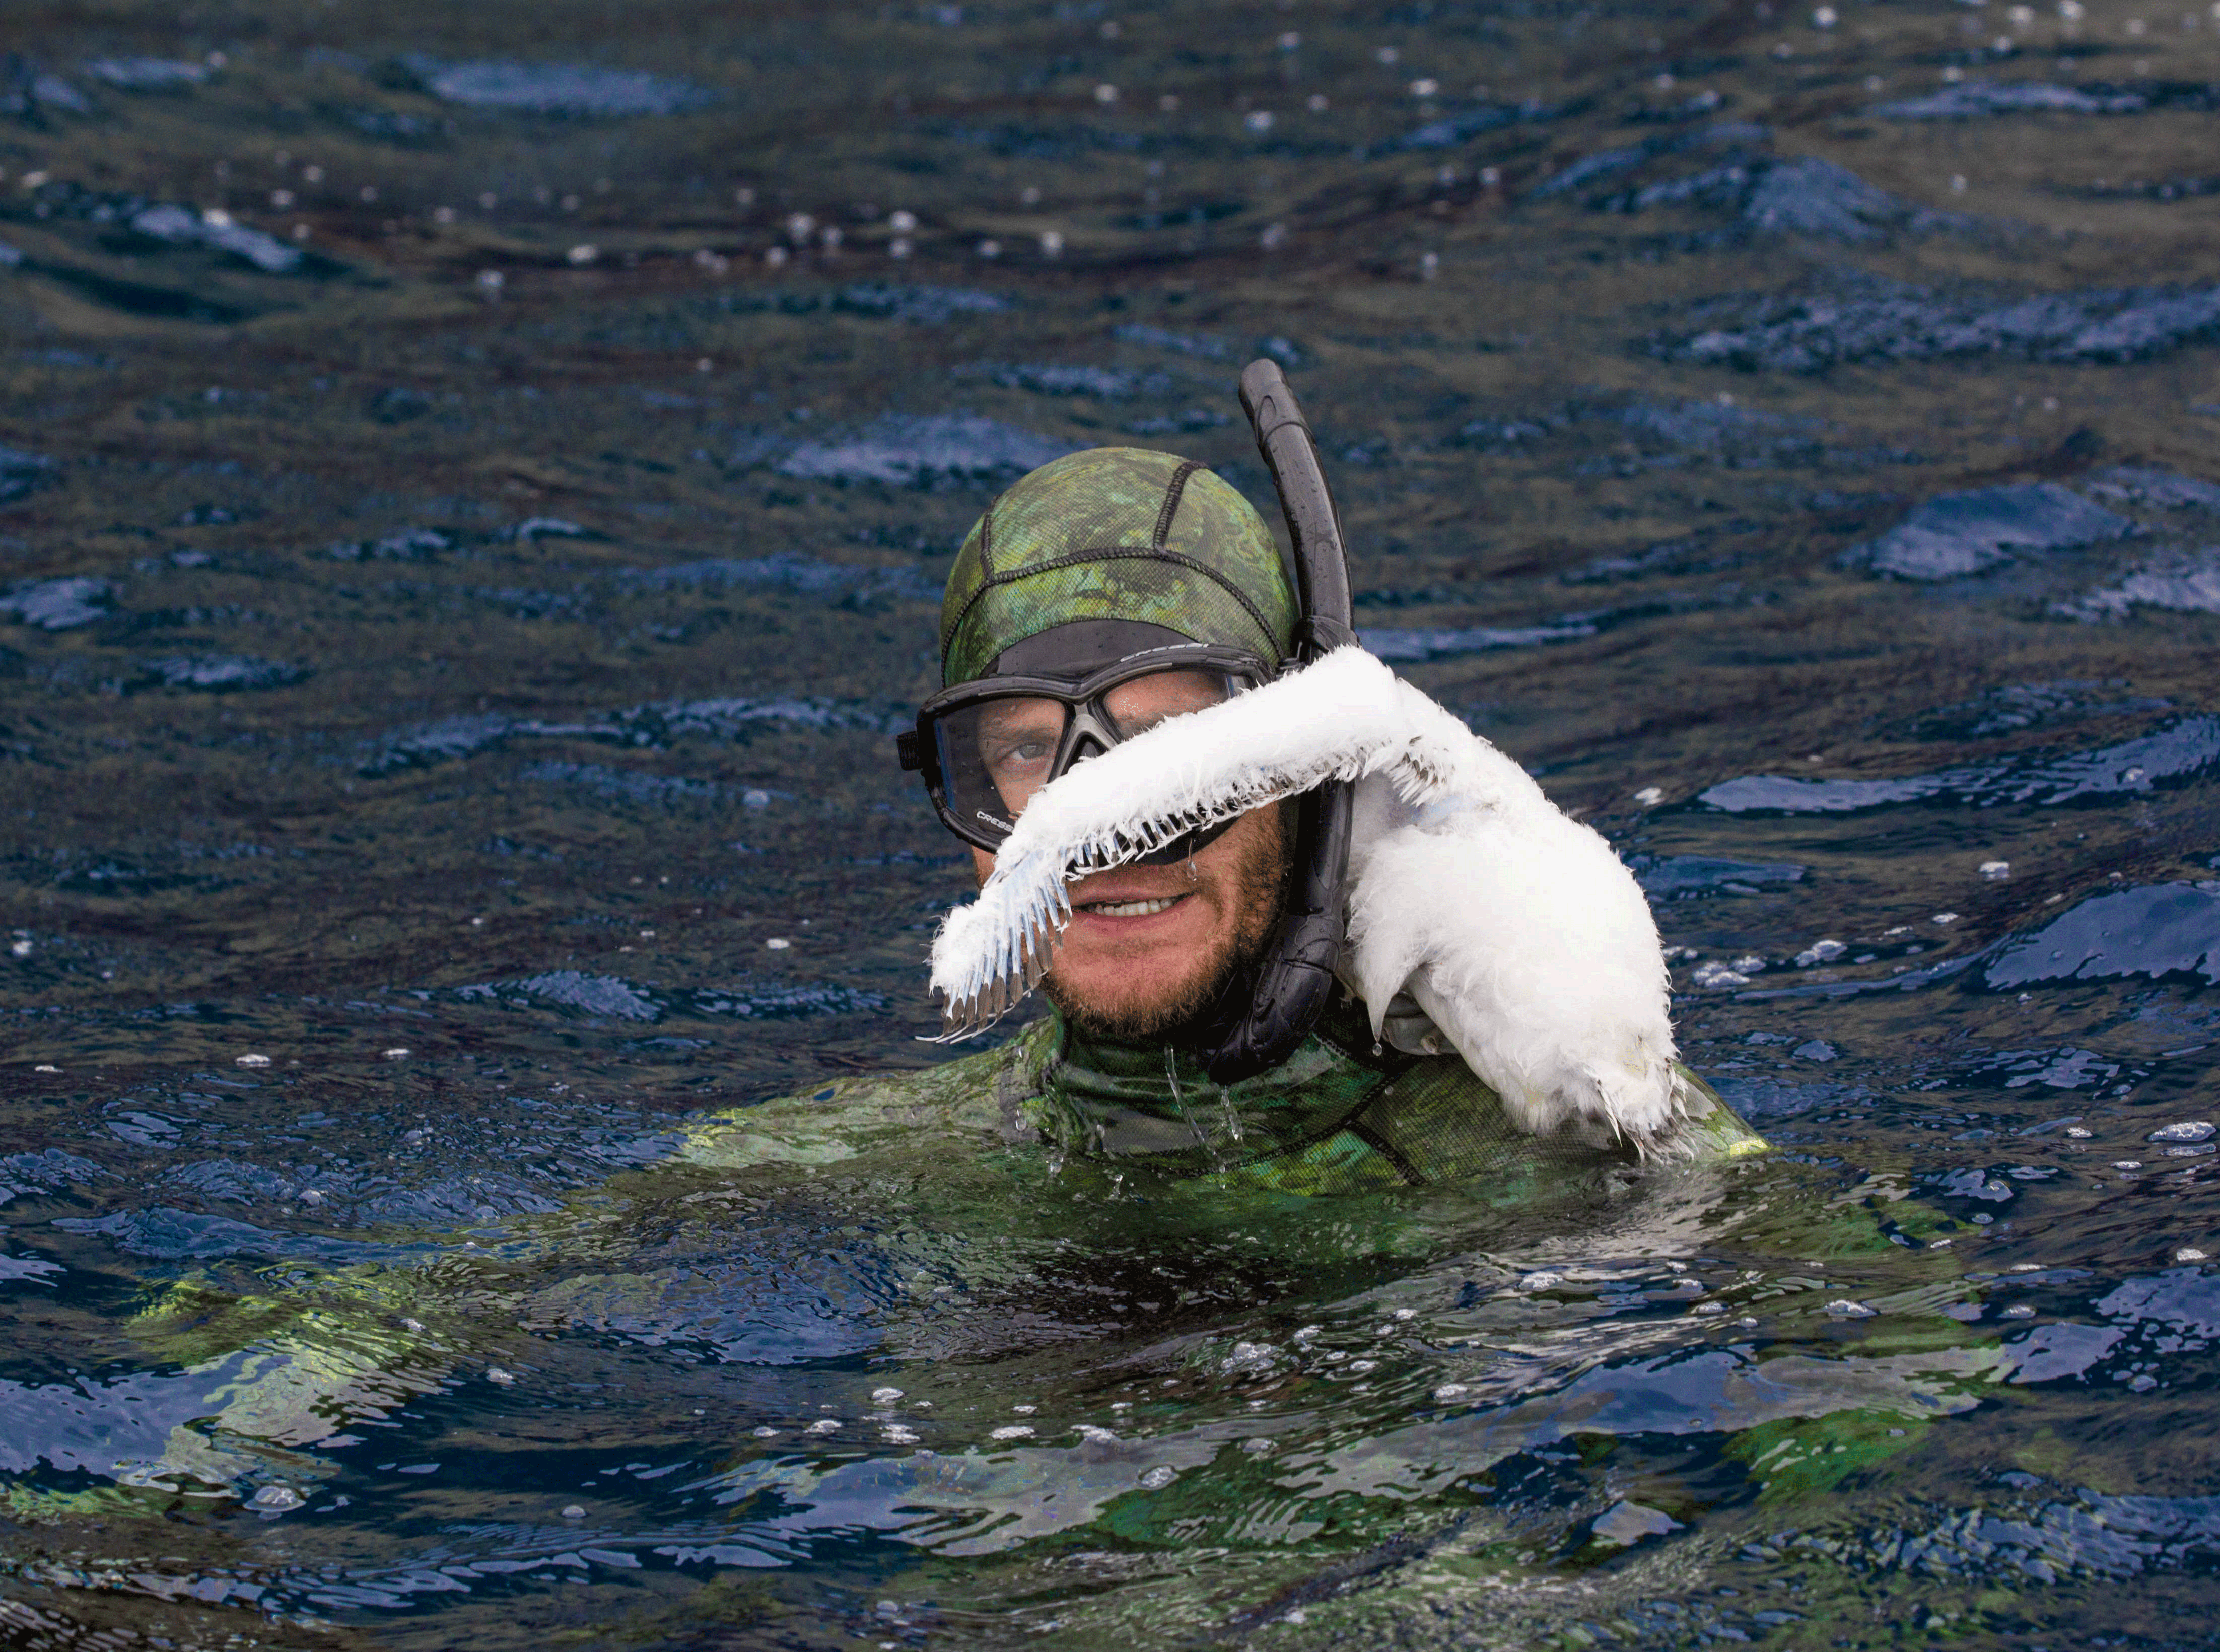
[(1518, 930)]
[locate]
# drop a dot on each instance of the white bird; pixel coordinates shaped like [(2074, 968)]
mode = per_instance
[(1515, 932)]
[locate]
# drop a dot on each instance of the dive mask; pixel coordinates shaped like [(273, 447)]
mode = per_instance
[(986, 746)]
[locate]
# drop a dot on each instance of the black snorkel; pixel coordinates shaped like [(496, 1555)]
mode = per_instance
[(1256, 1030)]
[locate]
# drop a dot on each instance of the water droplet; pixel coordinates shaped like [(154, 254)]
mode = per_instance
[(575, 1511)]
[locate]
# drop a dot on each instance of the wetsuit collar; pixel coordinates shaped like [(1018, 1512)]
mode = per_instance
[(1108, 1098)]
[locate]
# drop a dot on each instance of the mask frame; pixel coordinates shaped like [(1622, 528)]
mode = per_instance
[(1088, 722)]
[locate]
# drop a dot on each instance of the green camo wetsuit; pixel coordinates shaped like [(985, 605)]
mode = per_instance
[(1335, 1118)]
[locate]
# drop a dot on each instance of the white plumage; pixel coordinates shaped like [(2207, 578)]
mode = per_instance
[(1515, 932)]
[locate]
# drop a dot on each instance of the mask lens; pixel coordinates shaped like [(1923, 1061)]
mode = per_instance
[(1145, 701), (995, 754)]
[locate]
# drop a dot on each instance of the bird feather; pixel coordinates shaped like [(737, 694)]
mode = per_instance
[(1515, 931)]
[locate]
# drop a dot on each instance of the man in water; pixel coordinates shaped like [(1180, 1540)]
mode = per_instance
[(1101, 594)]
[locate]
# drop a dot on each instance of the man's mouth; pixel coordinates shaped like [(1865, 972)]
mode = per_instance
[(1142, 908)]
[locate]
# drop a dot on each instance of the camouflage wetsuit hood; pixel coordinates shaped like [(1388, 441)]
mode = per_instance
[(1116, 533)]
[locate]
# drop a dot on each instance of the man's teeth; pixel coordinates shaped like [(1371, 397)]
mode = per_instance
[(1134, 908)]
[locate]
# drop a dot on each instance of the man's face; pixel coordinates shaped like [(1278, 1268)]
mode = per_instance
[(1148, 947)]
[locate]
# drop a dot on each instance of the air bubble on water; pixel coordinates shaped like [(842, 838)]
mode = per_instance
[(1012, 1431), (764, 1433), (252, 1060), (1650, 796), (1093, 1436), (1541, 1281), (1364, 1365), (1024, 1411), (825, 1425), (2127, 1164), (494, 1373), (1849, 1310), (2189, 1130), (1157, 1478), (397, 1052), (1451, 1391), (885, 1396), (2189, 1253), (778, 943), (1819, 952), (1945, 919), (895, 1434), (2019, 1311), (574, 1513), (1995, 869)]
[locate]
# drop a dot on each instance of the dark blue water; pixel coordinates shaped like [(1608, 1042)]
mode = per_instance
[(475, 484)]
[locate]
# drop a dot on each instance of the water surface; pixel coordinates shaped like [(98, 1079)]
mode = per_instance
[(474, 487)]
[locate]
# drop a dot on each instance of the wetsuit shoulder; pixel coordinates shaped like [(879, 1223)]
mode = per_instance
[(973, 1100), (1437, 1121)]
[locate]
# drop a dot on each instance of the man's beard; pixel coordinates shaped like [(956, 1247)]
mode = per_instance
[(1258, 892)]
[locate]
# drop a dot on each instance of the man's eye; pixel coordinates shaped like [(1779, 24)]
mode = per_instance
[(1024, 751)]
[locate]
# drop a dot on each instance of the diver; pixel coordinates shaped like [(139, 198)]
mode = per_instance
[(1297, 926)]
